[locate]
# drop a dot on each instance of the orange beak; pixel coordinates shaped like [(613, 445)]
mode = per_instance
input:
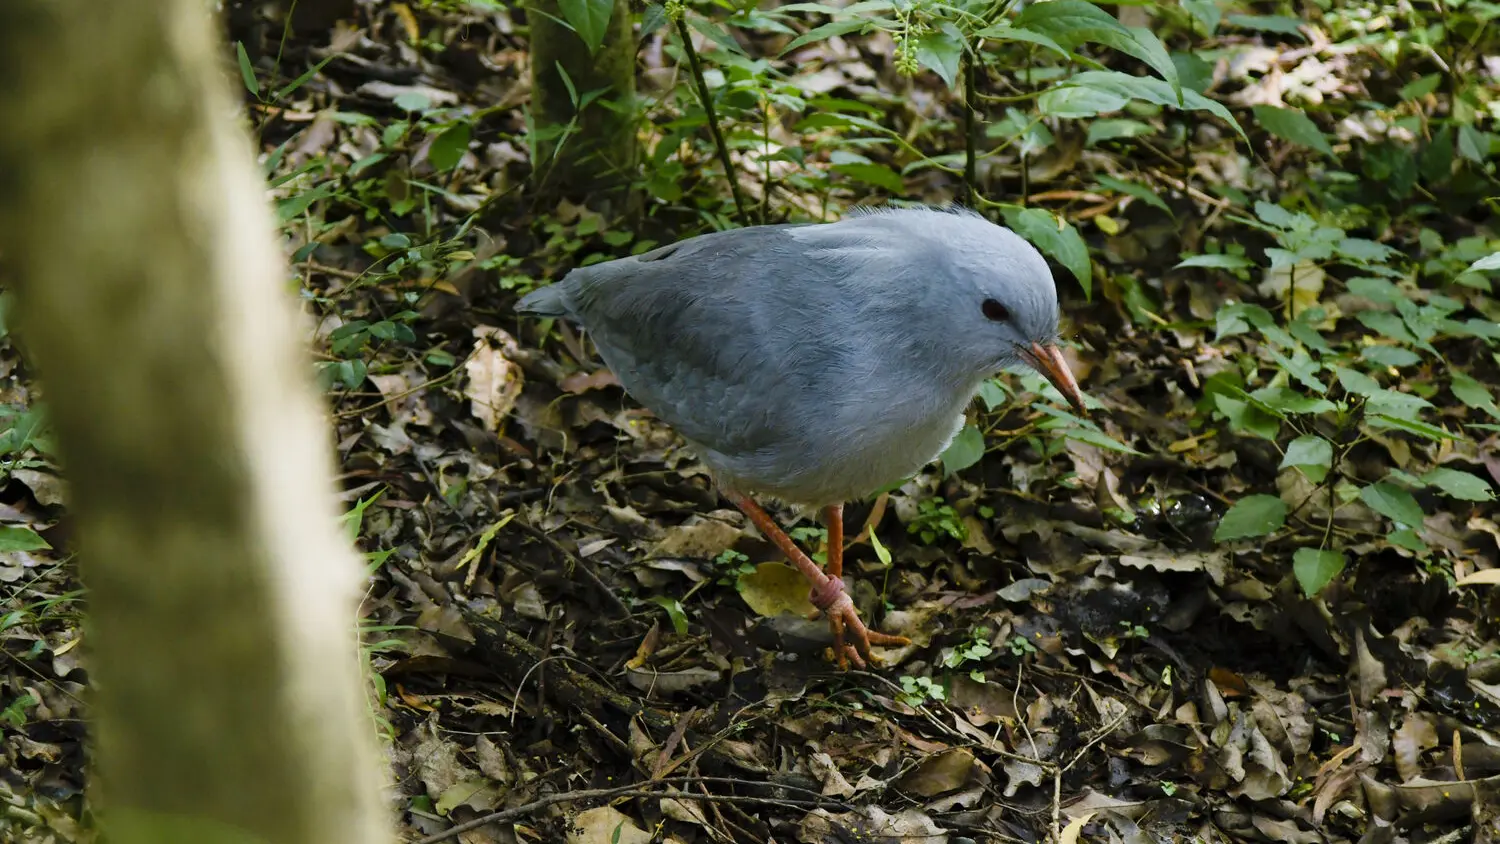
[(1049, 361)]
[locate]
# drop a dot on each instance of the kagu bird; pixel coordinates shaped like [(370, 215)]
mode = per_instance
[(818, 363)]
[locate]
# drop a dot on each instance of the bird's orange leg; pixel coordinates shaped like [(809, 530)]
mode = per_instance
[(828, 593)]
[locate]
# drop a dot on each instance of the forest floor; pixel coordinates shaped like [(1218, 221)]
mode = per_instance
[(561, 602)]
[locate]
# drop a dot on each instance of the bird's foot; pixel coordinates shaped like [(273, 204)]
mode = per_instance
[(833, 601)]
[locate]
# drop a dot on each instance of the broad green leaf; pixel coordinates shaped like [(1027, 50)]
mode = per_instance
[(1139, 191), (1357, 382), (1215, 262), (1408, 539), (825, 32), (1315, 569), (448, 148), (1284, 400), (874, 174), (1125, 87), (1362, 249), (17, 538), (1421, 87), (1071, 23), (1294, 126), (1268, 23), (993, 395), (1005, 31), (1255, 515), (1488, 263), (1302, 367), (940, 51), (1396, 403), (1309, 450), (589, 18), (1394, 503), (1246, 416), (1205, 12), (1386, 323), (1411, 426), (1389, 355), (965, 450), (1056, 238), (1460, 485), (1472, 393), (1074, 102), (1114, 128)]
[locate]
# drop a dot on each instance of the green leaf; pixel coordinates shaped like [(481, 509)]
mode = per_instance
[(1134, 189), (1205, 12), (1488, 263), (1389, 355), (448, 148), (870, 173), (1269, 23), (825, 32), (1315, 569), (1071, 23), (1394, 503), (589, 18), (965, 450), (940, 51), (1472, 393), (1408, 539), (1056, 238), (1114, 128), (1357, 382), (1294, 126), (1421, 87), (1120, 88), (1411, 426), (1005, 31), (1460, 485), (1387, 324), (17, 538), (675, 612), (247, 71), (1308, 451), (1098, 438), (1255, 515), (1215, 262)]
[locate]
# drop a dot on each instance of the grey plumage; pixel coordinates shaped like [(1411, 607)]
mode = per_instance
[(816, 363)]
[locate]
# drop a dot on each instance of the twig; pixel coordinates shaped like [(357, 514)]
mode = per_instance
[(971, 128), (713, 119), (578, 563), (631, 791)]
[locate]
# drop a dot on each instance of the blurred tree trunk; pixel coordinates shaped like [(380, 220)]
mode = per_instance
[(599, 152), (229, 704)]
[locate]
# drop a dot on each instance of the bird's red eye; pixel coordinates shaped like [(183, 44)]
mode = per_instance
[(995, 311)]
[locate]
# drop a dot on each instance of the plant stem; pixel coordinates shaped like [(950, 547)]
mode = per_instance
[(971, 129), (713, 120)]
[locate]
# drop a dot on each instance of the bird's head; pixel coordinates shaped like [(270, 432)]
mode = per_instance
[(1002, 302)]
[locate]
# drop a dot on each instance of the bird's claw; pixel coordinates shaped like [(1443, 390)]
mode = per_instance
[(833, 600)]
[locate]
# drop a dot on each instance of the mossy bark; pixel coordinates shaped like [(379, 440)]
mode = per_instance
[(153, 297), (600, 153)]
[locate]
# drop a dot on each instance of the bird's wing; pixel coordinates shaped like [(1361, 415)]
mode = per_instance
[(716, 334)]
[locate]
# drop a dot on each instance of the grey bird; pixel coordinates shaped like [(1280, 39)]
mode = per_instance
[(818, 363)]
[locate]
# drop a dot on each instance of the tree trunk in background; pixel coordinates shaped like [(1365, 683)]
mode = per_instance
[(229, 704), (602, 152)]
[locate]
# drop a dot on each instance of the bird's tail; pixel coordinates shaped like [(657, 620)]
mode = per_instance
[(546, 301)]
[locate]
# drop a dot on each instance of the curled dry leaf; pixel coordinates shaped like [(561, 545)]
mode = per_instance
[(494, 381)]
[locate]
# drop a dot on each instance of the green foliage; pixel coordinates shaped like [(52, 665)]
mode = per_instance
[(936, 519)]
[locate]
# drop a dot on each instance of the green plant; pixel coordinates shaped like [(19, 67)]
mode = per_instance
[(974, 650), (916, 691), (936, 518), (732, 565)]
